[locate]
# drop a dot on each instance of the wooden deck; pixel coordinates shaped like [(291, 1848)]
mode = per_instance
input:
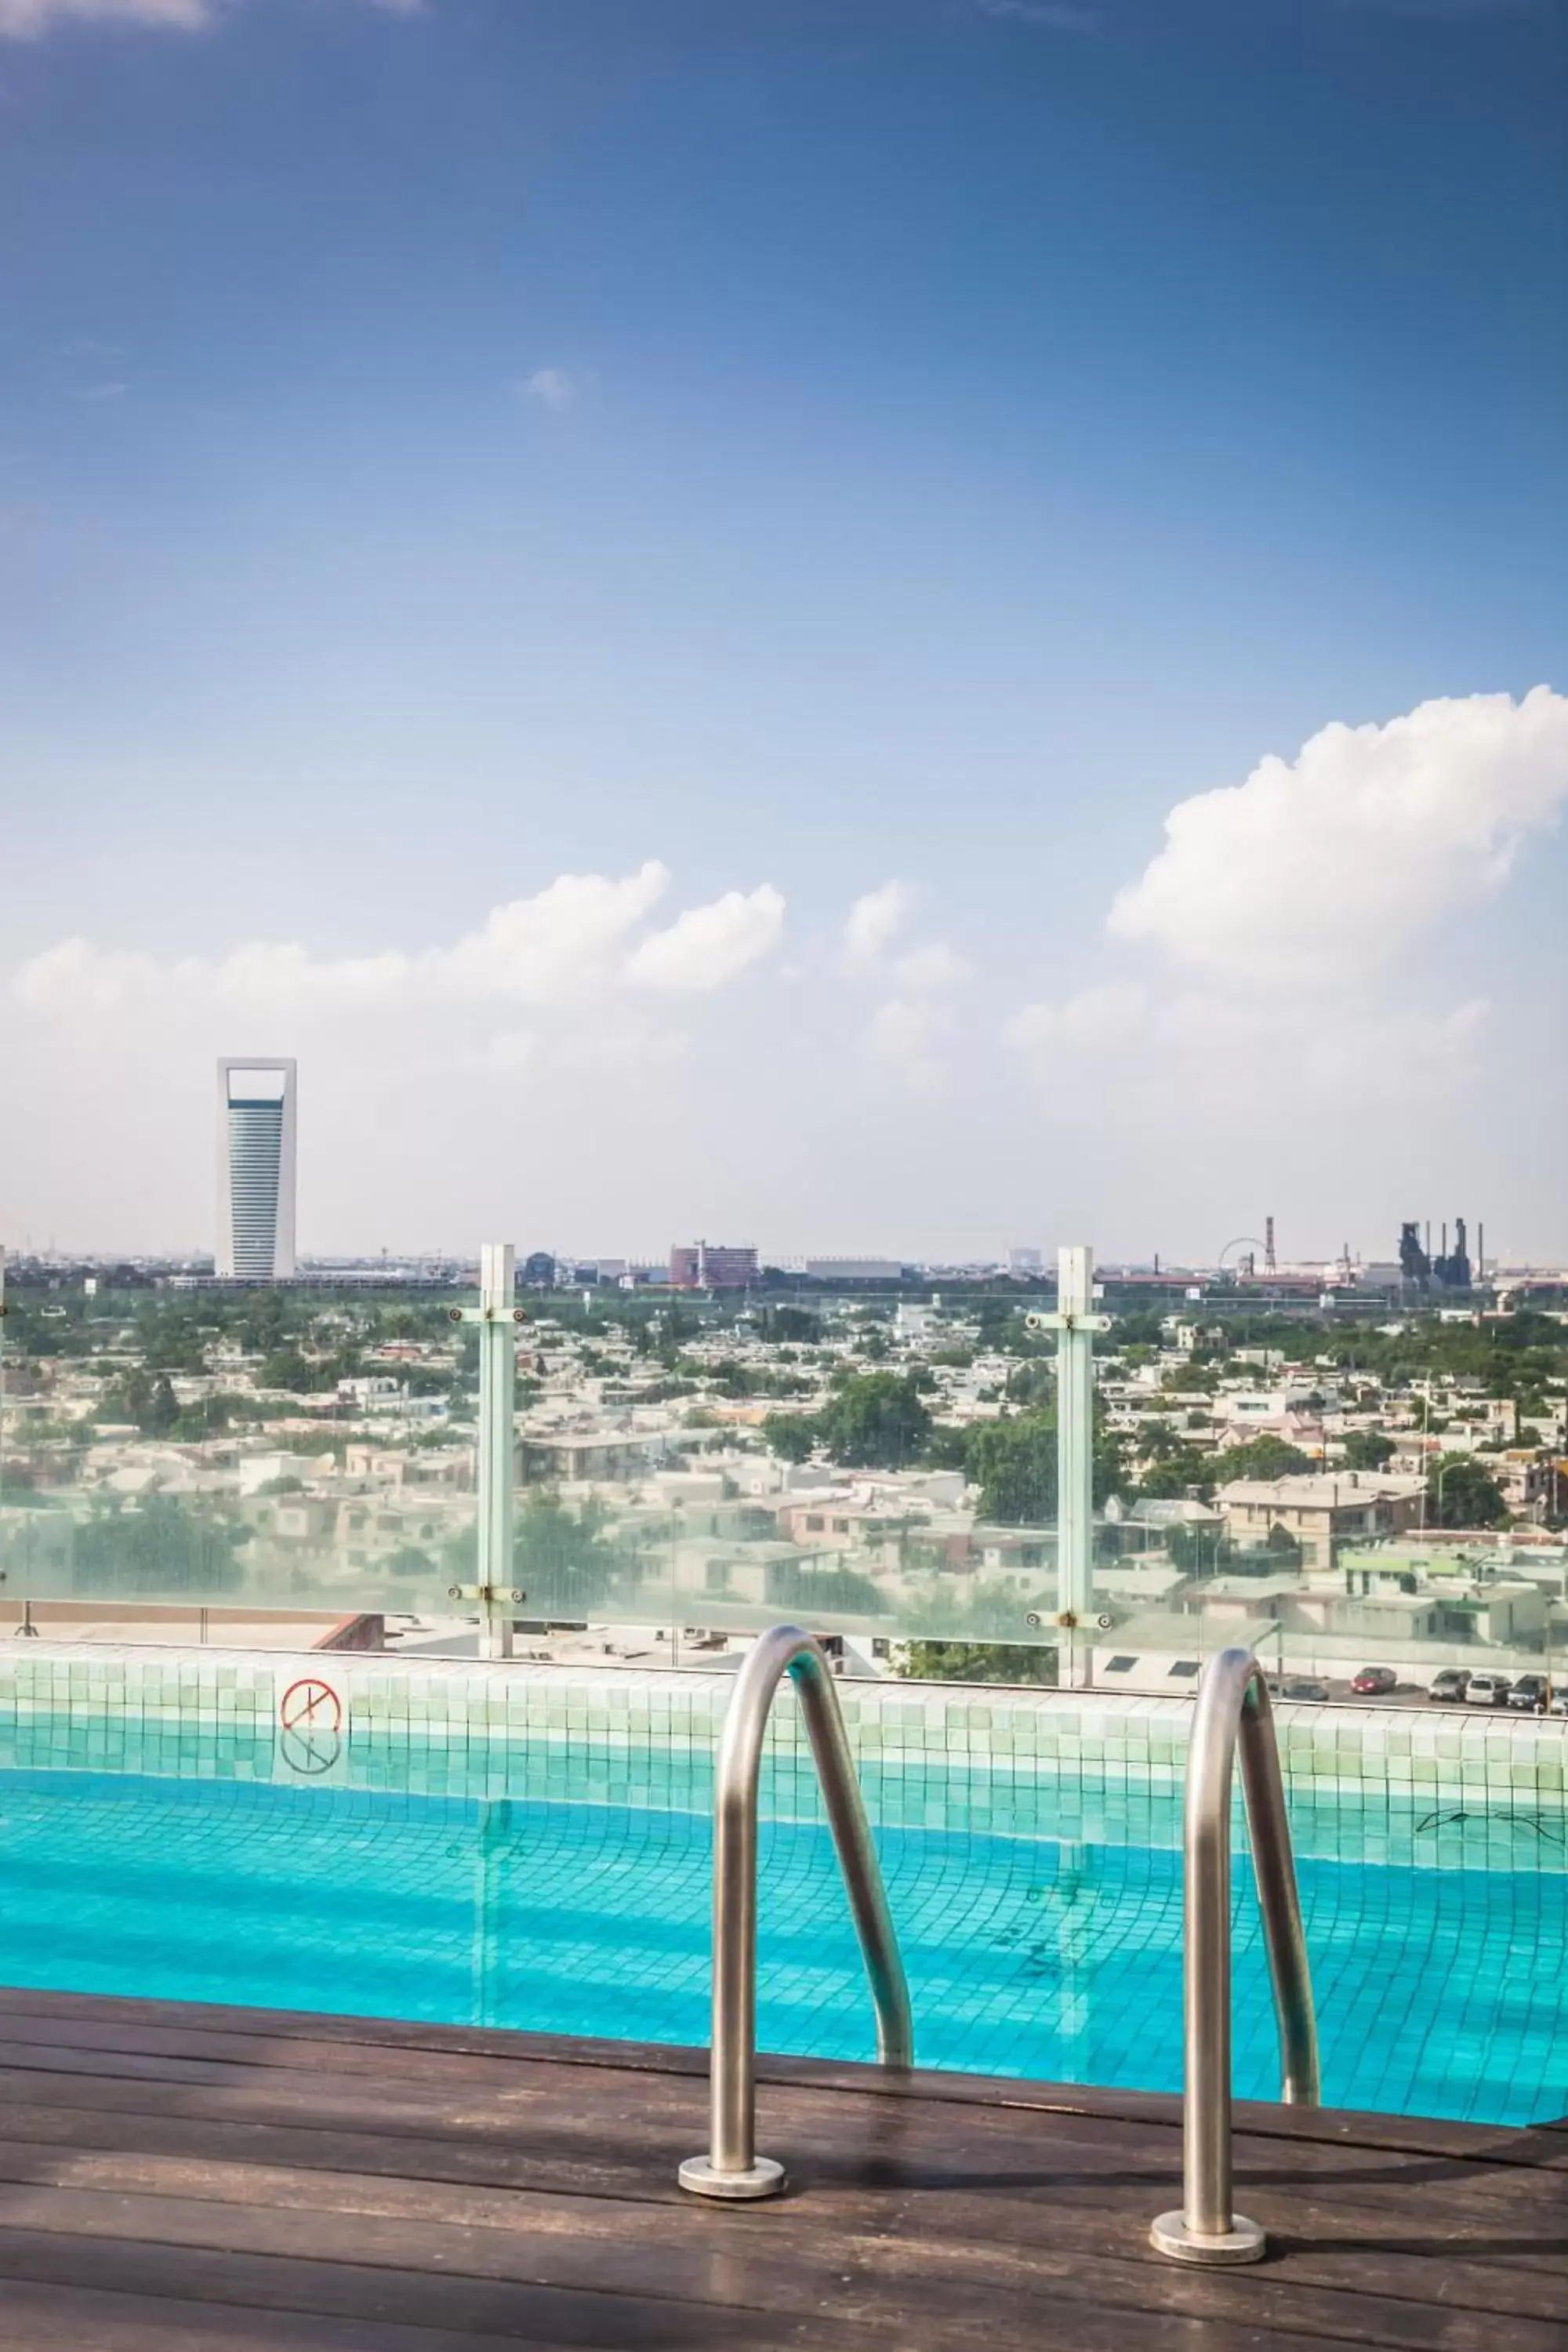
[(221, 2180)]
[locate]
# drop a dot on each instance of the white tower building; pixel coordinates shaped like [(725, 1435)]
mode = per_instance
[(255, 1170)]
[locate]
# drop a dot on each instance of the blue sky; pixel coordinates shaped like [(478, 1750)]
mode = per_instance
[(811, 447)]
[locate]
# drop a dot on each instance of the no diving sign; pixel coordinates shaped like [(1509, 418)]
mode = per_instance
[(311, 1725)]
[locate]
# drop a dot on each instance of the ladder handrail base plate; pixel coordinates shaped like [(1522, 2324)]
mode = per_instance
[(1244, 2241), (764, 2178)]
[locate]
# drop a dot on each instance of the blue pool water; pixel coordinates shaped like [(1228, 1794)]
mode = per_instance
[(1437, 1951)]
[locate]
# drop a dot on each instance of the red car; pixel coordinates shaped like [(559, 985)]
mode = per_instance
[(1375, 1682)]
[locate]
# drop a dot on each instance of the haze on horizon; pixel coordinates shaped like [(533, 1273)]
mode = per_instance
[(885, 625)]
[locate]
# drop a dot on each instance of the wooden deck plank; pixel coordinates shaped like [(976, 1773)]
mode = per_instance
[(200, 2177), (1434, 2135)]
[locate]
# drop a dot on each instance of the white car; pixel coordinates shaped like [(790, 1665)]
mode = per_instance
[(1488, 1690)]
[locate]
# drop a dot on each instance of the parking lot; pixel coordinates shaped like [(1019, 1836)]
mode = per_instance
[(1407, 1693)]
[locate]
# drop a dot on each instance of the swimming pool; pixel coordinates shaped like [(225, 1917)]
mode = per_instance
[(1045, 1942)]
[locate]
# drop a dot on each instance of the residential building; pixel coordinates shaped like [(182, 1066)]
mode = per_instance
[(1320, 1513)]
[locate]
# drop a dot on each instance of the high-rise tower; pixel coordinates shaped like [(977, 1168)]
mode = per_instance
[(255, 1170)]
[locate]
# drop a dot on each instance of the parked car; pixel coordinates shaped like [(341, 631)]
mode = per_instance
[(1488, 1690), (1558, 1704), (1450, 1685), (1302, 1686), (1375, 1682), (1528, 1694)]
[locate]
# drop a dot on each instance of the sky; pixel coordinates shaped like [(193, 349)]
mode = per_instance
[(864, 626)]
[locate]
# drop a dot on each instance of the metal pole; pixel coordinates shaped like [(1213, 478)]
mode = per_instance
[(732, 2168), (497, 1445), (1233, 1705)]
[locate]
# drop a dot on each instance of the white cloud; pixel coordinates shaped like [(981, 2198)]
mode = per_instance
[(1097, 1020), (907, 1035), (1203, 1044), (1327, 866), (574, 942), (562, 943), (552, 388), (710, 945), (937, 966), (504, 1054), (27, 20), (874, 922)]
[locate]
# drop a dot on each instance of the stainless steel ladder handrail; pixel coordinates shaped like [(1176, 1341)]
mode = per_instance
[(731, 2167), (1233, 1707)]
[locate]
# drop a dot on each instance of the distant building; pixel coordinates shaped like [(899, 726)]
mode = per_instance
[(1321, 1513), (712, 1265), (852, 1269), (537, 1271), (1025, 1262), (256, 1171)]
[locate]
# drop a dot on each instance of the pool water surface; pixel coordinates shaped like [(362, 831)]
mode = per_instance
[(1052, 1951)]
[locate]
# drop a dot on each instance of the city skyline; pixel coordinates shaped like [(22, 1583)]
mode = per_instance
[(877, 627)]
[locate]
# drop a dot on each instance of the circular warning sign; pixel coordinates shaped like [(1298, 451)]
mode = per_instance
[(310, 1716), (310, 1705)]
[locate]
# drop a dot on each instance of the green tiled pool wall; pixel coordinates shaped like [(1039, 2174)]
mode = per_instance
[(472, 1729)]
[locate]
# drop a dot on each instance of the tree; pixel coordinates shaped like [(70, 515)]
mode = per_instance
[(1260, 1457), (822, 1592), (791, 1435), (159, 1547), (976, 1662), (561, 1559), (875, 1421), (791, 1324), (1014, 1463), (1462, 1493), (1368, 1449), (409, 1560), (162, 1408), (1176, 1473)]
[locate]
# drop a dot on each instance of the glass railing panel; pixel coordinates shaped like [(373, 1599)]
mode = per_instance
[(686, 1472), (230, 1452)]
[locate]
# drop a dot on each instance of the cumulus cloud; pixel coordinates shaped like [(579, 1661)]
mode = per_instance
[(937, 966), (552, 387), (1157, 1046), (874, 922), (1096, 1020), (574, 941), (710, 945), (1327, 866), (907, 1035)]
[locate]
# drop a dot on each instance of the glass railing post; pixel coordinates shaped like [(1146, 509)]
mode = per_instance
[(1075, 1325), (497, 1445)]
